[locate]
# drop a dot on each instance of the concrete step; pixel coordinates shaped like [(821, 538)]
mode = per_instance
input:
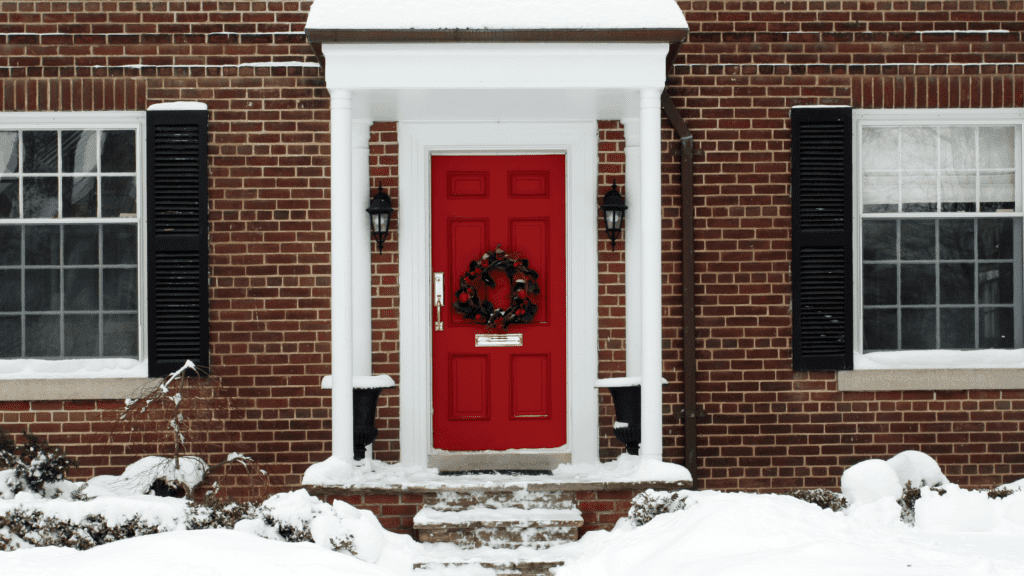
[(472, 568), (461, 499), (498, 527)]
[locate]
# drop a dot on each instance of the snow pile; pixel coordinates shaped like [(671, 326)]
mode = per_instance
[(958, 510), (873, 480), (944, 359), (138, 477), (297, 517), (917, 468)]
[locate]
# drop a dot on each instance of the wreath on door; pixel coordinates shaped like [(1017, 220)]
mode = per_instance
[(522, 302)]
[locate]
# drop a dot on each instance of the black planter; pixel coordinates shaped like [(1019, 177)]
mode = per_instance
[(627, 410), (364, 413)]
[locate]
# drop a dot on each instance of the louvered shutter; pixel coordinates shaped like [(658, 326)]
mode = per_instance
[(822, 185), (177, 249)]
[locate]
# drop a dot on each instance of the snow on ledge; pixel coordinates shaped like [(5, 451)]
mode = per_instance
[(493, 14), (78, 368), (378, 381), (374, 473), (622, 382), (949, 359), (182, 105)]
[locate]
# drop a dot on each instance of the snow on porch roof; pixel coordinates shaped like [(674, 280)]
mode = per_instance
[(372, 21)]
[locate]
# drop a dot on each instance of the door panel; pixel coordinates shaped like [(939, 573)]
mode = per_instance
[(499, 398)]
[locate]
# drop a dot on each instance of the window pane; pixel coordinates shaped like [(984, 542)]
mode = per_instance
[(79, 197), (9, 198), (956, 239), (997, 192), (957, 327), (118, 196), (881, 192), (10, 337), (120, 287), (8, 152), (119, 244), (40, 197), (996, 238), (917, 284), (120, 335), (78, 150), (879, 284), (40, 151), (10, 245), (997, 146), (920, 190), (10, 290), (959, 191), (81, 335), (42, 245), (917, 239), (81, 289), (42, 336), (917, 148), (997, 328), (879, 240), (995, 283), (956, 283), (42, 292), (957, 148), (118, 153), (81, 244), (880, 329), (879, 146), (917, 328)]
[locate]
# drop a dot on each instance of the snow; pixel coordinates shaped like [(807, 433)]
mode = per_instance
[(493, 14), (179, 106), (870, 481), (917, 468), (622, 382), (376, 381), (429, 515), (77, 368), (374, 473), (927, 359), (139, 476)]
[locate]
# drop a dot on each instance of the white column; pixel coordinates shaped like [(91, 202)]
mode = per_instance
[(650, 274), (631, 238), (362, 352), (341, 275)]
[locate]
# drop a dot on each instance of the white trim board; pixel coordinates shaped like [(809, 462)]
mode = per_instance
[(417, 141)]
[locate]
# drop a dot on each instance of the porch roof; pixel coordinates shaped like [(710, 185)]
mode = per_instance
[(388, 21)]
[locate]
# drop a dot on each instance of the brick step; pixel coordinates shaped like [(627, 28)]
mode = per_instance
[(510, 568), (498, 528), (461, 499)]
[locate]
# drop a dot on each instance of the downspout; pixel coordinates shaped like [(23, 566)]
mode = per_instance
[(690, 411)]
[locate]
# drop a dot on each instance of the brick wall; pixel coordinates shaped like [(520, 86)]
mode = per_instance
[(743, 67)]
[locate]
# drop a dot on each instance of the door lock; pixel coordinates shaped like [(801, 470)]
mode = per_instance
[(438, 300)]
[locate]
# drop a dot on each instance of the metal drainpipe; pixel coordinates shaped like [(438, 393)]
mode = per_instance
[(690, 411)]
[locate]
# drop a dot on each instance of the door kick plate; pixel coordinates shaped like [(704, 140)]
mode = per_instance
[(498, 340)]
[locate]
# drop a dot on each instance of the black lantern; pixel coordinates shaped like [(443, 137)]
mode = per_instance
[(614, 213), (380, 217)]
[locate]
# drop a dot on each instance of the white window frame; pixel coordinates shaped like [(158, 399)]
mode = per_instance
[(959, 370), (95, 378)]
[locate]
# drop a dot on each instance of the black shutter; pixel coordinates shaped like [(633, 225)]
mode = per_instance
[(822, 239), (177, 249)]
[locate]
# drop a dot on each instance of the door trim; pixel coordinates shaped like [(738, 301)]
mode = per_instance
[(417, 141)]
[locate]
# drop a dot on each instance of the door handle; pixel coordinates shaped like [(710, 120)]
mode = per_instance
[(438, 300)]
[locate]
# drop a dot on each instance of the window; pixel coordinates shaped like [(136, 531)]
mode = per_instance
[(70, 236), (938, 204)]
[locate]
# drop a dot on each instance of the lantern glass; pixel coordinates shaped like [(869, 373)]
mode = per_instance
[(614, 212), (380, 217)]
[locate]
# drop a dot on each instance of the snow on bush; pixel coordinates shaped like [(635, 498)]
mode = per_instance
[(917, 468), (869, 481), (33, 466), (825, 499), (651, 503)]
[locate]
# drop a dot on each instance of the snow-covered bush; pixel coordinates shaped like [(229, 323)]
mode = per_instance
[(651, 503), (21, 525), (826, 499), (869, 481), (216, 514), (917, 468), (299, 517), (34, 466)]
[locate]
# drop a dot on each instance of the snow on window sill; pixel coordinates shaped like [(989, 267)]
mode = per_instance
[(81, 379), (935, 370)]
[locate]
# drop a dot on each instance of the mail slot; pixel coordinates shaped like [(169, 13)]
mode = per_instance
[(498, 340)]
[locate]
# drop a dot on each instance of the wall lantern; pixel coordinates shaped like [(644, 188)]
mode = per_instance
[(380, 217), (614, 213)]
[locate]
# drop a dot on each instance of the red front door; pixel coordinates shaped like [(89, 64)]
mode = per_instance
[(486, 397)]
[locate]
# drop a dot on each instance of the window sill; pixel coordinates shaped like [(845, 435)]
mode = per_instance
[(75, 388), (932, 379)]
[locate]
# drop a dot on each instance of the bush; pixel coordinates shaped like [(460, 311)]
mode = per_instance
[(35, 463), (1000, 493), (910, 497), (217, 514), (35, 528), (826, 499), (650, 503)]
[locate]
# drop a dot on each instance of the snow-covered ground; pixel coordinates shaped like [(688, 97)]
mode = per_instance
[(956, 532)]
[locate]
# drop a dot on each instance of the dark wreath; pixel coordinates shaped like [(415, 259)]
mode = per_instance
[(522, 306)]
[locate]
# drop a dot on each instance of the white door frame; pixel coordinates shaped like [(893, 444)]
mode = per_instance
[(417, 141)]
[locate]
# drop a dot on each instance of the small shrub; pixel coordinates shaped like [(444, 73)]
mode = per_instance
[(37, 529), (910, 497), (36, 463), (650, 503), (826, 499), (217, 514), (1000, 493)]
